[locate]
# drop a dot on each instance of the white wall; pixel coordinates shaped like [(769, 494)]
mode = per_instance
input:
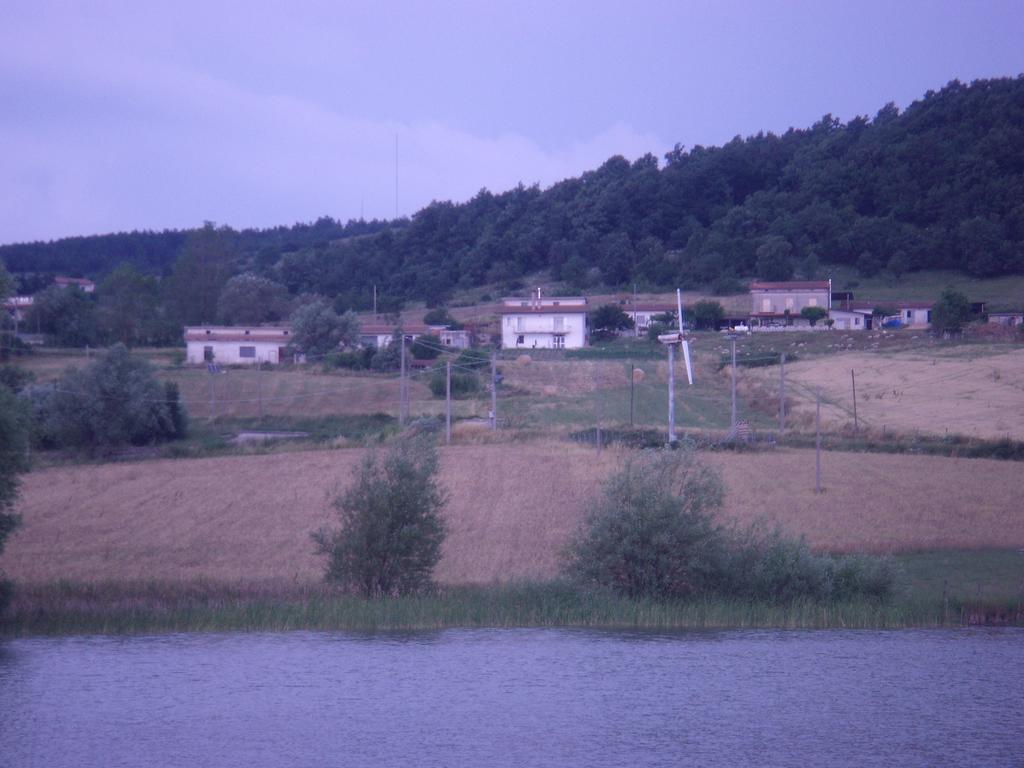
[(538, 330), (229, 352)]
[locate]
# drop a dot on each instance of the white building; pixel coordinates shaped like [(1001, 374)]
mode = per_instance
[(379, 335), (556, 322), (236, 345), (915, 314), (643, 314), (88, 286)]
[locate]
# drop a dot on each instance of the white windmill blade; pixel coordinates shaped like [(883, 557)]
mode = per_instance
[(686, 357)]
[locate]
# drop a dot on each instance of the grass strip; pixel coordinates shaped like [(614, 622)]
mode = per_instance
[(142, 608)]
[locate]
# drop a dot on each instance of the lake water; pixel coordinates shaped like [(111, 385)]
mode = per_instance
[(516, 698)]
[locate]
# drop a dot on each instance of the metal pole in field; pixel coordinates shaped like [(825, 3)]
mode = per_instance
[(448, 403), (632, 370), (597, 407), (401, 388), (732, 341), (782, 393), (853, 383), (494, 390), (817, 444), (259, 386), (213, 398), (671, 394)]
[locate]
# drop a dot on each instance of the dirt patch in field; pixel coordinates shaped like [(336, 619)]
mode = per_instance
[(513, 507), (976, 391)]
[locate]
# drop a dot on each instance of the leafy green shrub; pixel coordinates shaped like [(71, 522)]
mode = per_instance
[(464, 383), (653, 534), (14, 435), (113, 401), (652, 531), (354, 360), (425, 349), (391, 527)]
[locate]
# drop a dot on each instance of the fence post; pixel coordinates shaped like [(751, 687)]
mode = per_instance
[(817, 443), (448, 403), (782, 393)]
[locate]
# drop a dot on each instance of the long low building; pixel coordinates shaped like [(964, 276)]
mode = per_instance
[(236, 345)]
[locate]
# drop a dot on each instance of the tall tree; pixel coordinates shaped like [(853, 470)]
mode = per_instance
[(202, 269), (248, 299)]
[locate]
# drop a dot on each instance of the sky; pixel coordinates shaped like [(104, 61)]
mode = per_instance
[(120, 116)]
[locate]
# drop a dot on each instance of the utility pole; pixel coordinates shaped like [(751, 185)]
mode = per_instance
[(374, 300), (853, 383), (817, 443), (213, 397), (732, 342), (671, 394), (494, 390), (597, 408), (782, 393), (632, 374), (259, 386), (401, 388), (448, 403)]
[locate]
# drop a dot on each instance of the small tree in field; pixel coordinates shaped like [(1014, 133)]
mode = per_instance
[(14, 437), (391, 527), (813, 314), (652, 531)]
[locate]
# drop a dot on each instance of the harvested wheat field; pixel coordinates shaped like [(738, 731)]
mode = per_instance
[(974, 391), (512, 508)]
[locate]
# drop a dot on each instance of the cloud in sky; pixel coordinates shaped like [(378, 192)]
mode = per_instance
[(120, 116)]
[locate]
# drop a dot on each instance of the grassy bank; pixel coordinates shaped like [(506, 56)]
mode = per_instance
[(136, 608)]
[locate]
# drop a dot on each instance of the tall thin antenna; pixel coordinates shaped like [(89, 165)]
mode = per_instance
[(396, 175)]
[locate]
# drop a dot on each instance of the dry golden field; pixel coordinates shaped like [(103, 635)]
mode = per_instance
[(248, 518), (970, 390)]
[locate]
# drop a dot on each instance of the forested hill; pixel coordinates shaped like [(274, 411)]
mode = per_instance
[(940, 185)]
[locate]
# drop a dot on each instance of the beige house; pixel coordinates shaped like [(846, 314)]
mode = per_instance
[(236, 345), (554, 322), (779, 304)]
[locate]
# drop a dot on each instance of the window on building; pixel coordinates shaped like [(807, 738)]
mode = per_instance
[(766, 305), (208, 354), (812, 302), (929, 315), (789, 303), (559, 323), (519, 324), (520, 340), (559, 342), (910, 314), (247, 352), (856, 321)]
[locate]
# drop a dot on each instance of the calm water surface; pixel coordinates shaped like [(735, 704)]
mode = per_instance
[(516, 698)]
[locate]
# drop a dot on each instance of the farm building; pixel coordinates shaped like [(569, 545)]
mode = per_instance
[(80, 282), (779, 304), (555, 322), (236, 345), (379, 335), (914, 314), (1009, 318), (642, 314)]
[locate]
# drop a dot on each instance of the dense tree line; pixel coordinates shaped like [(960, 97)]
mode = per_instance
[(940, 185)]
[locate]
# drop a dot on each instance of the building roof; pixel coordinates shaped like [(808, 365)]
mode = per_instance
[(798, 285), (264, 334), (563, 309), (649, 307), (380, 329), (79, 281)]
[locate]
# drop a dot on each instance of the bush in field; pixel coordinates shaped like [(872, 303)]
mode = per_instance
[(652, 531), (14, 436), (653, 534), (464, 383), (391, 527), (113, 401)]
